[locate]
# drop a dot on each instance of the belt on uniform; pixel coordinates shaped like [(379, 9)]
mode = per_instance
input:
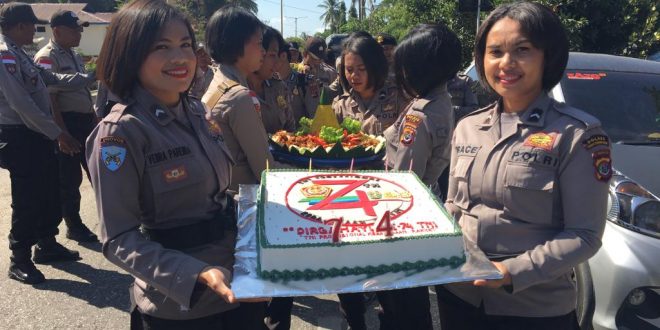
[(196, 234)]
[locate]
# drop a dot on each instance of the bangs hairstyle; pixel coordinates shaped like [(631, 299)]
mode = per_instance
[(543, 29), (128, 41), (365, 46), (270, 35), (227, 32), (427, 57)]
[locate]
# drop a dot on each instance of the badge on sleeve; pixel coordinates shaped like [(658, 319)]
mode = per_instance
[(45, 62), (603, 165), (408, 135), (9, 60), (255, 100), (113, 152), (541, 140), (596, 140)]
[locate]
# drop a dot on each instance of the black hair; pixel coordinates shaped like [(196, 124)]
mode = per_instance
[(227, 32), (372, 55), (128, 41), (270, 35), (428, 56), (543, 29)]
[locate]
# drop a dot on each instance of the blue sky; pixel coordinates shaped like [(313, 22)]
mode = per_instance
[(269, 13)]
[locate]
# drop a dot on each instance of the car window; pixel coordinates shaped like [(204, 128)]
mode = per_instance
[(627, 104)]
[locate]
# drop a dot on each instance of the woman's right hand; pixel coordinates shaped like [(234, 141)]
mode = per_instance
[(216, 279)]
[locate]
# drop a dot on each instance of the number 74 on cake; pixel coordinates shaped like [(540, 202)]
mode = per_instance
[(321, 225)]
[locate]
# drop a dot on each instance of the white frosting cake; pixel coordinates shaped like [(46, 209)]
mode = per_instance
[(320, 224)]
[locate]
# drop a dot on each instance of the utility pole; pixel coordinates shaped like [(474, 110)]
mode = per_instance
[(295, 20), (282, 17)]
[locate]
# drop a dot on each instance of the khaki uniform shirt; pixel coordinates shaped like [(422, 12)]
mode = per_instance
[(296, 97), (237, 113), (322, 77), (533, 196), (151, 169), (276, 114), (421, 137), (24, 98), (56, 59), (381, 113)]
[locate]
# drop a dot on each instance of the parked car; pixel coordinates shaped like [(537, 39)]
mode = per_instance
[(619, 287)]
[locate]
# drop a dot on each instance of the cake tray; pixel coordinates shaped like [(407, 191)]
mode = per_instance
[(246, 283)]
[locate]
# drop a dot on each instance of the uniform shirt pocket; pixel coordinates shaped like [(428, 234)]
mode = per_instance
[(460, 173), (528, 193), (173, 184)]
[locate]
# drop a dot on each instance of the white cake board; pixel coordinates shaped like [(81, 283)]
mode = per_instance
[(246, 283)]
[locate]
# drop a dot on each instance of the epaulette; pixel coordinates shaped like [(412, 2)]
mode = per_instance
[(588, 120), (484, 109), (220, 90), (116, 112)]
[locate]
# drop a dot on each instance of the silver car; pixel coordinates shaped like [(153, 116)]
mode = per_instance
[(619, 287)]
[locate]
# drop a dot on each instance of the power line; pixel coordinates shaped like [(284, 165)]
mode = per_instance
[(293, 7), (295, 19)]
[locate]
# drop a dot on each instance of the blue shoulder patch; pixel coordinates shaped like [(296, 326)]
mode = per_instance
[(113, 152)]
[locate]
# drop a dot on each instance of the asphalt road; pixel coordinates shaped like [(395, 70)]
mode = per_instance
[(92, 293)]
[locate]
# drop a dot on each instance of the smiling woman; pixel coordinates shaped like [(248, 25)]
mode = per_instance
[(160, 173)]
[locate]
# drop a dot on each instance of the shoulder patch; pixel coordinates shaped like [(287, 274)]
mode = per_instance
[(410, 124), (602, 165), (45, 62), (596, 140), (588, 120), (255, 101), (113, 152), (9, 61)]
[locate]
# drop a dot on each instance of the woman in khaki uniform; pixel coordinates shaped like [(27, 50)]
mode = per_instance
[(363, 69), (160, 175), (428, 57), (276, 114), (528, 180), (234, 41)]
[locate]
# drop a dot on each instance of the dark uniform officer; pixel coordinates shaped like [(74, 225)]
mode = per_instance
[(530, 189), (388, 42), (318, 74), (75, 110), (296, 91), (463, 98), (27, 131), (160, 176)]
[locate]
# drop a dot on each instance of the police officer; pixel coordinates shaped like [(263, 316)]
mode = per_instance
[(232, 105), (463, 98), (276, 114), (295, 86), (27, 131), (204, 74), (388, 42), (161, 173), (420, 141), (294, 52), (528, 180), (73, 112), (318, 73), (363, 68)]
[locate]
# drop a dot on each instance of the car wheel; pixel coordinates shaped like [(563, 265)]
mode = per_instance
[(586, 302)]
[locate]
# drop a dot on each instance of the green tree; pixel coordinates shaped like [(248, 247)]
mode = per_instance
[(341, 13), (352, 12), (330, 16)]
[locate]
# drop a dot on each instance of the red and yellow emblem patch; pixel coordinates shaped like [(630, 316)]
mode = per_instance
[(603, 165), (409, 129), (255, 101), (541, 140), (175, 174)]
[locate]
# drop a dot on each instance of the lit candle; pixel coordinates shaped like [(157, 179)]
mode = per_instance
[(385, 162), (266, 164), (310, 164), (351, 169), (410, 168)]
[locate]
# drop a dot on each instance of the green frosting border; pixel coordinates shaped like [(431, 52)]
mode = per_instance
[(309, 274)]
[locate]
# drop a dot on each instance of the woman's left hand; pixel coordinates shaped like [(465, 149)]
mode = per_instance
[(494, 284)]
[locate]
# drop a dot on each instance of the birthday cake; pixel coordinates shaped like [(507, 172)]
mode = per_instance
[(317, 225)]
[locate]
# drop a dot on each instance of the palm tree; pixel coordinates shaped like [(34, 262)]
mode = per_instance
[(330, 14)]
